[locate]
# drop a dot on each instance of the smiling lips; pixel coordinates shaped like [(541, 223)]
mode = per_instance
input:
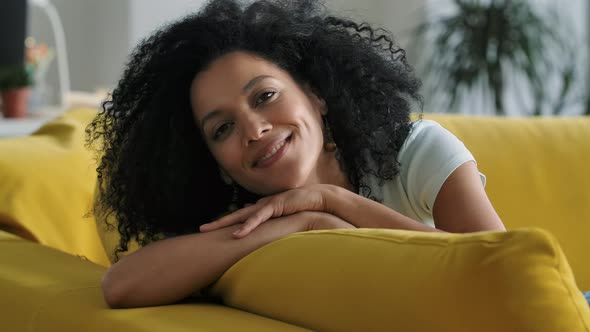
[(272, 153), (275, 151)]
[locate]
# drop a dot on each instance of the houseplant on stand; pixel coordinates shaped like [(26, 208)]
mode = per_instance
[(23, 86), (15, 76)]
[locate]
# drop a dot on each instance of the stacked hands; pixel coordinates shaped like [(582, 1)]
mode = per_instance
[(309, 205)]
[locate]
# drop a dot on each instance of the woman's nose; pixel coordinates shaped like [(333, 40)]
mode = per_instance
[(254, 127)]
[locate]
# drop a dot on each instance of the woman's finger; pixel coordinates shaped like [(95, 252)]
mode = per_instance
[(254, 221), (264, 199), (231, 219)]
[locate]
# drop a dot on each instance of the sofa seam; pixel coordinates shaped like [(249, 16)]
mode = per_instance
[(386, 239)]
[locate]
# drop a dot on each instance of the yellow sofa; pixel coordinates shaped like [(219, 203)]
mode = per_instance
[(527, 279)]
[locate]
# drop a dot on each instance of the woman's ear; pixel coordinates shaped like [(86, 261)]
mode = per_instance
[(318, 103), (225, 177), (323, 107)]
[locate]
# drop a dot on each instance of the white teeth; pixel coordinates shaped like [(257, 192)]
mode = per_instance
[(271, 153)]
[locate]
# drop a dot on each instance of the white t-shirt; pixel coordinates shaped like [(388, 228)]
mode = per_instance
[(428, 156)]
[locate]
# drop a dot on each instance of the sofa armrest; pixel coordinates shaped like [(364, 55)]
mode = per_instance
[(44, 289), (47, 184)]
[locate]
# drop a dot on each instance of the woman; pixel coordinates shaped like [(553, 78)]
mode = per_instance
[(237, 126)]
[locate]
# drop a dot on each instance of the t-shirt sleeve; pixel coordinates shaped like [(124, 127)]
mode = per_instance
[(430, 154)]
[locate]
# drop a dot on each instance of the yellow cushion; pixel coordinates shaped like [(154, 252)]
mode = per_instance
[(391, 280), (47, 183), (537, 171)]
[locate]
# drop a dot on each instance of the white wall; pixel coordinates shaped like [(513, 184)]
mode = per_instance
[(147, 15), (101, 34), (399, 17), (96, 39)]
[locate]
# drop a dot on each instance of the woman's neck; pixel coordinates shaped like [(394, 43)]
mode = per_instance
[(333, 174)]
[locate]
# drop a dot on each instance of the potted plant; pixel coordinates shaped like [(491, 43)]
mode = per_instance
[(483, 47), (15, 82)]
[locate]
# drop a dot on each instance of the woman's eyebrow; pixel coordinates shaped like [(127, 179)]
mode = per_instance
[(209, 116), (253, 82)]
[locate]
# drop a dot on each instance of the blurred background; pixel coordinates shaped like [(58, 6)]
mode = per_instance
[(501, 57)]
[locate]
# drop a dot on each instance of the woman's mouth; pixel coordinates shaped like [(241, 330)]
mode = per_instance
[(274, 155)]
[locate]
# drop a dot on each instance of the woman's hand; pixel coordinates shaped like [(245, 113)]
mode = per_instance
[(306, 198)]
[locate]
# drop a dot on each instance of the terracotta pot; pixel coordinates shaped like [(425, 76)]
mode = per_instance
[(15, 102)]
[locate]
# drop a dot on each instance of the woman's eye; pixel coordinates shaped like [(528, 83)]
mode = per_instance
[(263, 97), (221, 130)]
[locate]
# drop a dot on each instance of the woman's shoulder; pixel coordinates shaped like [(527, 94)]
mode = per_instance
[(423, 127), (431, 149), (428, 134)]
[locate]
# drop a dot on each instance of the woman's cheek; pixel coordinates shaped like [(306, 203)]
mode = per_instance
[(229, 156)]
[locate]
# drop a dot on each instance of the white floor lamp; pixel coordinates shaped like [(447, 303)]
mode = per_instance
[(60, 45)]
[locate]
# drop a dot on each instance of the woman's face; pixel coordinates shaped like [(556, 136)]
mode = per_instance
[(264, 130)]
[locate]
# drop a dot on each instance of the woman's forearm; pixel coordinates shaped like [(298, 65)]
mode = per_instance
[(169, 270), (365, 213), (460, 206)]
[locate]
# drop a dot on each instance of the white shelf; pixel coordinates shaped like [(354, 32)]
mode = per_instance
[(25, 126)]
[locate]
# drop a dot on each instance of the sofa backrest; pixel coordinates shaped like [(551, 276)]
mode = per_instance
[(537, 175), (535, 168)]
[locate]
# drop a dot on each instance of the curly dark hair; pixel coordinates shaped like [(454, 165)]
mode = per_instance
[(156, 175)]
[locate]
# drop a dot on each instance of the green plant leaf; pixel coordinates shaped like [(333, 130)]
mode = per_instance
[(12, 77), (490, 40)]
